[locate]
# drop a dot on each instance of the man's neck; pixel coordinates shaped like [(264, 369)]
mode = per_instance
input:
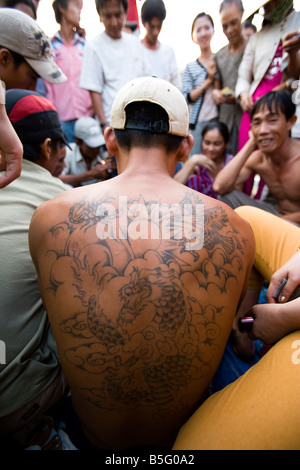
[(238, 45), (282, 155), (150, 44)]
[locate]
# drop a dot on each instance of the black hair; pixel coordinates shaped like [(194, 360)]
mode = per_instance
[(56, 5), (220, 126), (31, 151), (144, 112), (13, 3), (153, 8), (275, 101), (248, 24), (202, 15), (17, 58), (100, 4), (238, 3)]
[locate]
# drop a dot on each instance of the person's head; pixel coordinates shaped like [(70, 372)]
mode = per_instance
[(248, 29), (27, 6), (231, 12), (25, 52), (67, 11), (215, 137), (112, 14), (274, 10), (272, 119), (153, 14), (38, 127), (88, 137), (148, 113), (202, 29)]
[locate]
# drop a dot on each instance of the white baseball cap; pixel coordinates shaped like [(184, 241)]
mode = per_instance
[(21, 34), (88, 129), (157, 91)]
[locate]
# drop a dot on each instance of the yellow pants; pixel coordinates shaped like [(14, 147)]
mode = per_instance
[(261, 409), (276, 242)]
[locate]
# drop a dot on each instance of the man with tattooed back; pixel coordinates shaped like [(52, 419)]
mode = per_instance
[(141, 278)]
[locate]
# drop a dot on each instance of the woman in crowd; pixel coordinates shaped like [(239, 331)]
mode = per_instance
[(200, 170), (198, 79)]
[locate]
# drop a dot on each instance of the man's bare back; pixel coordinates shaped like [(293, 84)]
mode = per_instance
[(141, 325)]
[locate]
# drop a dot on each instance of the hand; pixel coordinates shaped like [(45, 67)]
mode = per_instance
[(100, 172), (291, 43), (246, 102), (271, 322), (218, 97), (211, 70), (198, 159), (11, 149), (289, 271)]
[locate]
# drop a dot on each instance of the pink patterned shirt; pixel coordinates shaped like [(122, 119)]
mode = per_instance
[(71, 101)]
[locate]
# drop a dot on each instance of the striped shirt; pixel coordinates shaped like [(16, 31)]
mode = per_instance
[(193, 76)]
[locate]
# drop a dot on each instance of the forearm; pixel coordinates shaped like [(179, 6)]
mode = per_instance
[(77, 180), (98, 106), (183, 175), (195, 94), (227, 179)]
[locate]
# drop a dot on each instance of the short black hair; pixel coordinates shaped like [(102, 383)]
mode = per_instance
[(31, 151), (153, 8), (143, 112), (248, 24), (220, 126), (100, 4), (274, 101), (13, 3), (56, 5)]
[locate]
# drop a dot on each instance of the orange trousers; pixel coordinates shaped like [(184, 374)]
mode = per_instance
[(261, 409)]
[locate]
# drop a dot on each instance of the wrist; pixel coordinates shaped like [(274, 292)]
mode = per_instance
[(104, 124)]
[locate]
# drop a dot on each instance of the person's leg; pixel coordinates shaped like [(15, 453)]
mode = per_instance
[(259, 411), (276, 242)]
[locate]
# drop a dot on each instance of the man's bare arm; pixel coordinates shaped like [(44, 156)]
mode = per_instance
[(98, 108), (236, 171)]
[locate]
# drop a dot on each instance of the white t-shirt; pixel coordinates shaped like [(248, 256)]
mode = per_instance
[(163, 64), (108, 64)]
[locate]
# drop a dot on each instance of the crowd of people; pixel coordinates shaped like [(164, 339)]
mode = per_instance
[(135, 236)]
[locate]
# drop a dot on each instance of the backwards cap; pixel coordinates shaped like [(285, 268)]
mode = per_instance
[(157, 91)]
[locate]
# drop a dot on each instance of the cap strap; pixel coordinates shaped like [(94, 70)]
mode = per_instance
[(160, 127)]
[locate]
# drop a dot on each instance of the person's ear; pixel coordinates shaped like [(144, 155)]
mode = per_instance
[(111, 141), (292, 122), (185, 148), (5, 57), (45, 149)]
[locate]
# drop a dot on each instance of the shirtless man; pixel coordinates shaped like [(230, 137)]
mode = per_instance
[(276, 161), (141, 305)]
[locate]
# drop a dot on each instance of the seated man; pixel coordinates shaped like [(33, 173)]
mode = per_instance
[(141, 278), (277, 160), (84, 164), (260, 410), (31, 380)]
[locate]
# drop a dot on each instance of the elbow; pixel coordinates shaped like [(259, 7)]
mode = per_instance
[(219, 189)]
